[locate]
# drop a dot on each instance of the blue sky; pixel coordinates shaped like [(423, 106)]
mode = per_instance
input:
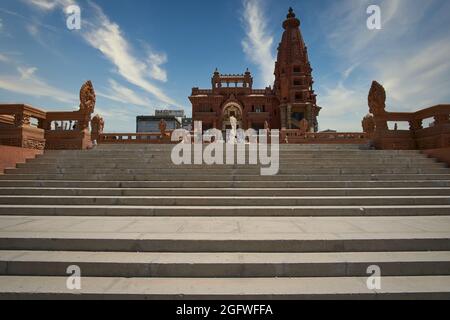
[(143, 55)]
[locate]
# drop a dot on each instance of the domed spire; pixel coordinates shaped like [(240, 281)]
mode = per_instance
[(291, 13), (291, 20)]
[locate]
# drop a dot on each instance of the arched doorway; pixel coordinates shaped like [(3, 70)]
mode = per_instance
[(231, 109)]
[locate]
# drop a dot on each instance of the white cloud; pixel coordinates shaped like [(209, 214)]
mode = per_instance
[(258, 43), (107, 37), (409, 56), (1, 24), (49, 5), (27, 83), (32, 30), (26, 73), (120, 93), (156, 61), (3, 58)]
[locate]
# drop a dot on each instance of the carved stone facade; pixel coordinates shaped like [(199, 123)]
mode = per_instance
[(284, 106)]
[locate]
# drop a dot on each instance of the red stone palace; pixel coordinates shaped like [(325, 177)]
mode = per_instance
[(283, 106)]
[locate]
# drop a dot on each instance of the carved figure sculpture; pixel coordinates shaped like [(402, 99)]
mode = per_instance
[(87, 104), (162, 128), (304, 126), (233, 132), (97, 125), (87, 97), (368, 124), (377, 99)]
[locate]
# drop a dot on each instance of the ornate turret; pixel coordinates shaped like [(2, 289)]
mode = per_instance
[(293, 78)]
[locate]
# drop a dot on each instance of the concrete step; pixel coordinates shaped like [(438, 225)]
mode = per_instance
[(270, 192), (226, 234), (97, 210), (219, 200), (137, 163), (224, 184), (149, 165), (223, 265), (234, 172), (413, 288), (286, 158), (283, 146), (223, 177)]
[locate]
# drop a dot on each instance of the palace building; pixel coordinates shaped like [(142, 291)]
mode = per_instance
[(283, 106)]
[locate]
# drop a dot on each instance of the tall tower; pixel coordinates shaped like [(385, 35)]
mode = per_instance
[(293, 78)]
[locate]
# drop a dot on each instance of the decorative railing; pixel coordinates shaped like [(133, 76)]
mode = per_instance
[(197, 92), (296, 136), (134, 138), (435, 136), (22, 126), (28, 127)]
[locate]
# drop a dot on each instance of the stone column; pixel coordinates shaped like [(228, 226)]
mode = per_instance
[(289, 116), (283, 117)]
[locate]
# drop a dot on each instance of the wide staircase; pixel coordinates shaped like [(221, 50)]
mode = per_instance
[(140, 227)]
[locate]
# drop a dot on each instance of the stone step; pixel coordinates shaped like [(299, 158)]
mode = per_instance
[(132, 163), (326, 147), (223, 177), (272, 192), (223, 265), (224, 201), (226, 234), (282, 149), (224, 184), (149, 165), (414, 288), (286, 152), (233, 172), (285, 158), (357, 210)]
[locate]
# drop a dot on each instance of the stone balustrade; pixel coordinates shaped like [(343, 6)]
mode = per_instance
[(296, 136), (421, 136), (27, 127), (21, 126)]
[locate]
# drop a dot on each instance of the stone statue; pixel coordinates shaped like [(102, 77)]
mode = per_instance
[(368, 124), (377, 99), (233, 132), (87, 104), (97, 125), (162, 127), (304, 126), (87, 97), (266, 126)]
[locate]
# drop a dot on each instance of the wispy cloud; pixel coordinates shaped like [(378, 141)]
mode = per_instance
[(409, 56), (155, 61), (120, 93), (26, 82), (27, 73), (3, 58), (49, 5), (108, 38), (258, 43)]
